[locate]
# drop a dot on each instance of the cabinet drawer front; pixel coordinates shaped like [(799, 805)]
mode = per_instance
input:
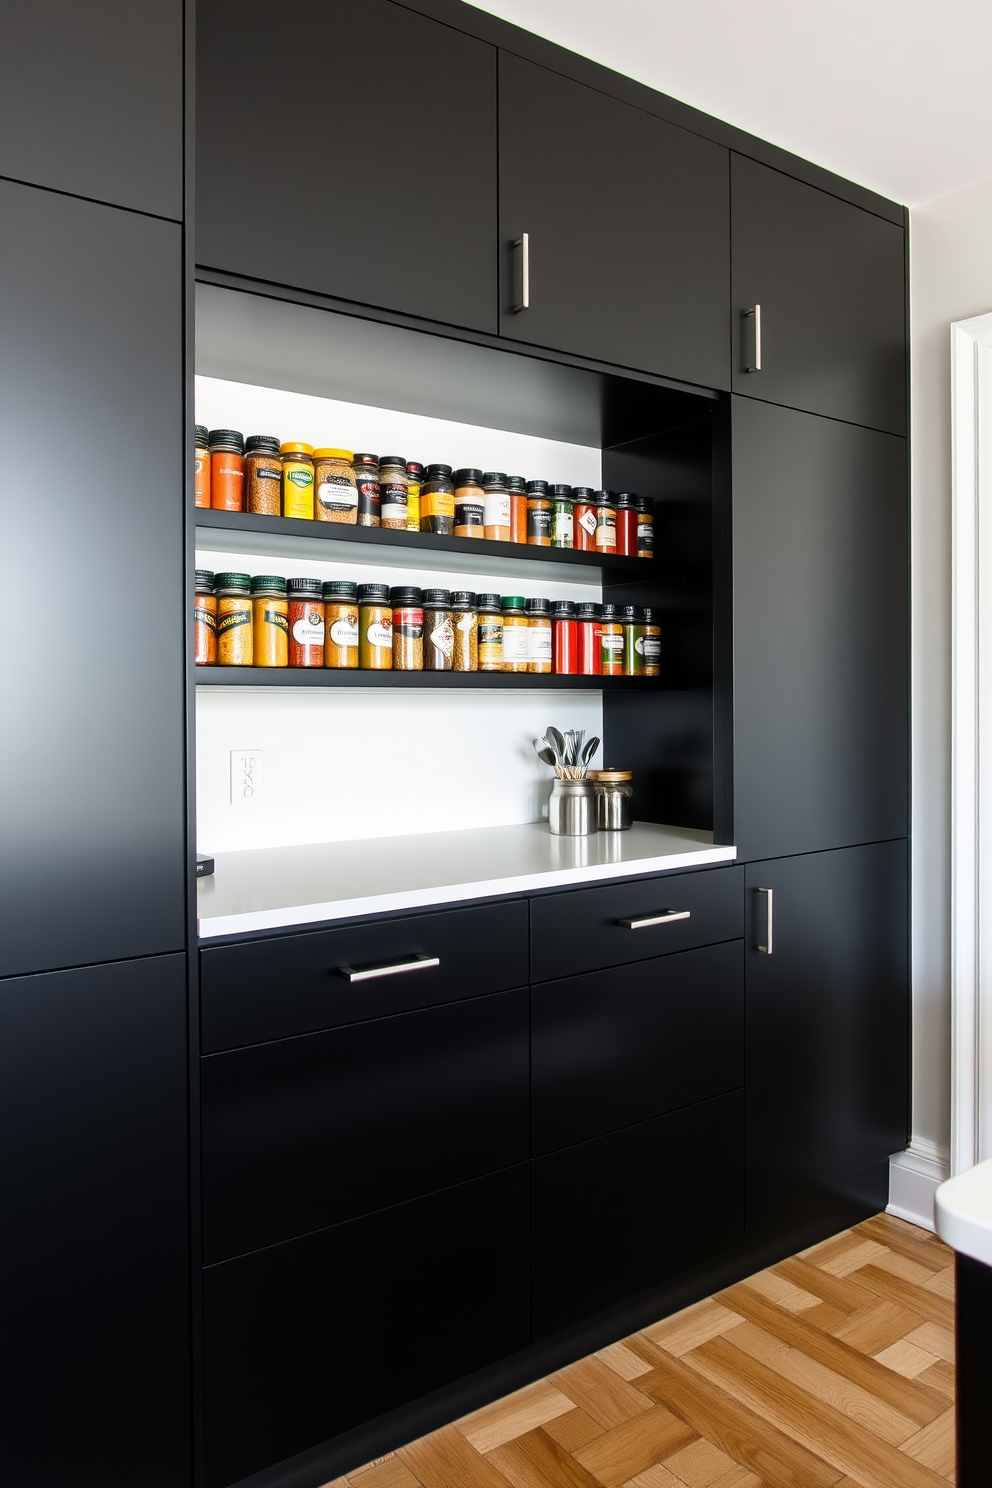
[(626, 1213), (304, 1340), (580, 931), (631, 1042), (306, 1132), (269, 989)]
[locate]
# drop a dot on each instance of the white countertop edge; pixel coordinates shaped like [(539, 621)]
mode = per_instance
[(963, 1212), (346, 909)]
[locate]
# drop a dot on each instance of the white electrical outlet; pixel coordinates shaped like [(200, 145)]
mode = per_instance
[(246, 777)]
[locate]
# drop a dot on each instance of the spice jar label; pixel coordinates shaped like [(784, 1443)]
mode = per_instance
[(276, 618), (497, 508), (467, 622), (205, 617), (612, 642), (231, 620), (309, 630), (300, 478), (380, 633), (344, 632), (443, 638), (515, 643), (588, 521), (651, 648), (336, 493), (539, 639)]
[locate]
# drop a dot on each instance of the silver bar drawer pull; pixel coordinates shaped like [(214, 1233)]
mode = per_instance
[(754, 314), (665, 918), (523, 243), (769, 897), (392, 968)]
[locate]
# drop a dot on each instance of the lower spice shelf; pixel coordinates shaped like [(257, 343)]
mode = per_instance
[(228, 676)]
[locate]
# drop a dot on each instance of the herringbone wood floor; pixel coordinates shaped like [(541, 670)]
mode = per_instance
[(832, 1369)]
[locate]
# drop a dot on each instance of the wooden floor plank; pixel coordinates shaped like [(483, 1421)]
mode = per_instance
[(573, 1429), (873, 1328), (536, 1460), (691, 1327), (600, 1392), (934, 1445), (941, 1376), (908, 1240), (513, 1415), (623, 1361), (389, 1472), (700, 1465), (840, 1291), (906, 1359), (913, 1298), (942, 1283), (635, 1446), (935, 1339), (446, 1460), (900, 1265)]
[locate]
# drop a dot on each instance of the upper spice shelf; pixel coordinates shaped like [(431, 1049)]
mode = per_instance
[(290, 677), (242, 532)]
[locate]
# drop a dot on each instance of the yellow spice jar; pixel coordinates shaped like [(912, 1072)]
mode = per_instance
[(234, 638), (270, 621), (297, 480)]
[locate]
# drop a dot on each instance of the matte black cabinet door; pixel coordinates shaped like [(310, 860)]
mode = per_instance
[(307, 1339), (92, 790), (830, 280), (364, 167), (93, 1233), (628, 226), (91, 99), (827, 1039), (821, 639)]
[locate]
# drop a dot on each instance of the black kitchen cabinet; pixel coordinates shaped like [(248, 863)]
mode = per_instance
[(307, 1339), (627, 220), (829, 278), (91, 100), (94, 1238), (369, 174), (92, 846), (827, 1039), (821, 632)]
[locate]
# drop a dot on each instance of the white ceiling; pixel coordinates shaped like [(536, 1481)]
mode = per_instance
[(891, 93)]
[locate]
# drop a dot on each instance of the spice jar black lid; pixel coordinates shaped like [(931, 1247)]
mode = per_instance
[(462, 599), (515, 483), (204, 579), (582, 493), (468, 477), (339, 589), (493, 478), (645, 503), (414, 467), (537, 607), (537, 488), (437, 599), (393, 460), (561, 490), (236, 581), (365, 460), (513, 602), (563, 609), (608, 612), (306, 588), (603, 498), (439, 472), (200, 434), (650, 616), (376, 594), (267, 443), (488, 602), (587, 610), (631, 612), (627, 500), (230, 439), (406, 594), (268, 581)]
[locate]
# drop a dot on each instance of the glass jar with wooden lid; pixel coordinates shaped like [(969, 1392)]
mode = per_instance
[(614, 799)]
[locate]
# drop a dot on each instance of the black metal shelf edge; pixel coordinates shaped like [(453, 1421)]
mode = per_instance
[(228, 676)]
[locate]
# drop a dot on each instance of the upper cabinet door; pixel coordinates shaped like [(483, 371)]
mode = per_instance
[(829, 279), (91, 100), (363, 167), (627, 224)]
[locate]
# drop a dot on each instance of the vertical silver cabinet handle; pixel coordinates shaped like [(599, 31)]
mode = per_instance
[(391, 968), (769, 902), (754, 314), (523, 243)]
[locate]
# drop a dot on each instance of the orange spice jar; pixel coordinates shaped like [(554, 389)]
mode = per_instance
[(201, 467), (234, 637), (227, 470), (306, 623), (585, 510), (270, 621), (516, 488), (205, 620)]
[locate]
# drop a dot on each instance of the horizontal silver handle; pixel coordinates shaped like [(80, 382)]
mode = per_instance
[(523, 243), (769, 898), (754, 314), (665, 918), (392, 968)]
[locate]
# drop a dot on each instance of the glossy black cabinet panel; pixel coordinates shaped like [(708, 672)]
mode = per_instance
[(305, 1132), (92, 789), (266, 989), (307, 1339), (627, 219), (91, 100), (93, 1238), (827, 1039), (830, 281), (629, 1211), (821, 644), (584, 929), (365, 184), (618, 1046)]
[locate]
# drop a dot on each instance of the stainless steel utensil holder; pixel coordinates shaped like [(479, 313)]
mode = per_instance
[(572, 808)]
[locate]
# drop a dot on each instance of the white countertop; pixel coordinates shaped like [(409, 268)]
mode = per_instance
[(272, 887), (963, 1212)]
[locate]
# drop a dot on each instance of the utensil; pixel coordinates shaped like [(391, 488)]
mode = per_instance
[(556, 742), (543, 753), (590, 749)]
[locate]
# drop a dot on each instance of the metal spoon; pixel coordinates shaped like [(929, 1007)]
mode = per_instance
[(556, 742), (590, 750), (543, 754)]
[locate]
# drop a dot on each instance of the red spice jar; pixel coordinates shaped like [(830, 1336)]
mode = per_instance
[(306, 623), (517, 488), (584, 508), (227, 470), (564, 638), (589, 628), (627, 524), (205, 619)]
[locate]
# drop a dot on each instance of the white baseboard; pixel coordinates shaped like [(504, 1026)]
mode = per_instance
[(914, 1177)]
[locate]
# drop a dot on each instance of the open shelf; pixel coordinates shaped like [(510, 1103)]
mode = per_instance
[(229, 676)]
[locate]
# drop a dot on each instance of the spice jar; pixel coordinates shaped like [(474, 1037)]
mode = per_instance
[(584, 507), (516, 488), (470, 504), (497, 510), (626, 522), (201, 466), (437, 501), (645, 527), (366, 468), (465, 619), (297, 480), (561, 517), (340, 624), (227, 470), (270, 621), (652, 644), (614, 799), (538, 636), (490, 633), (234, 639), (306, 623), (538, 514), (606, 522), (564, 638), (205, 620), (375, 628), (439, 633), (414, 481), (589, 625), (263, 475), (335, 492), (516, 629), (408, 629), (393, 492), (633, 640), (611, 641)]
